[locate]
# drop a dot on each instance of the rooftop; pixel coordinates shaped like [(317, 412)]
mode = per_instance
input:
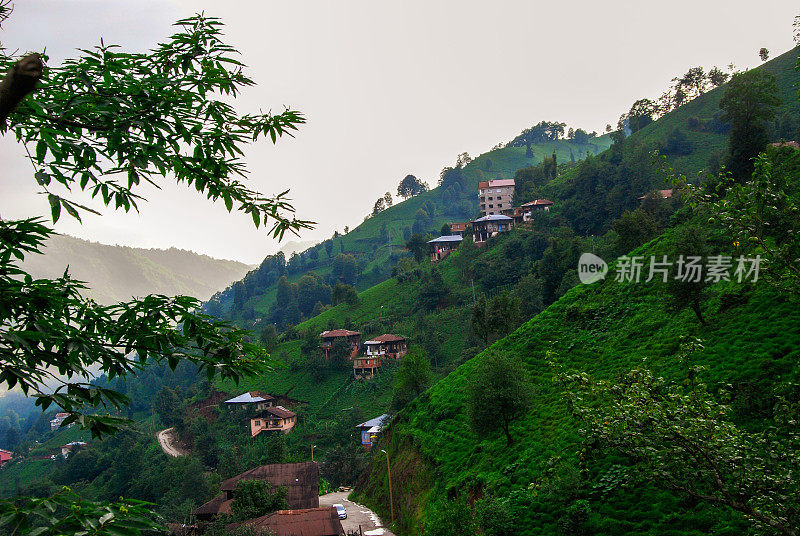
[(332, 334), (537, 202), (449, 238), (377, 421), (276, 411), (305, 522), (386, 337), (250, 397), (501, 182), (494, 217)]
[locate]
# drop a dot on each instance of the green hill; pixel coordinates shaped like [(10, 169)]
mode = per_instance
[(116, 273), (751, 343)]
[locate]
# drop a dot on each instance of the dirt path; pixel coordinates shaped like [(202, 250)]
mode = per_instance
[(167, 440), (357, 515)]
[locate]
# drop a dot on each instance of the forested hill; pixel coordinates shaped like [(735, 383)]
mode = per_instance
[(115, 273), (377, 243)]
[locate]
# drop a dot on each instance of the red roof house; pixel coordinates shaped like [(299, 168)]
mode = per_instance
[(5, 456), (305, 522)]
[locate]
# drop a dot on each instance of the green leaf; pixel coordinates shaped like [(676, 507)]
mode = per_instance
[(55, 206)]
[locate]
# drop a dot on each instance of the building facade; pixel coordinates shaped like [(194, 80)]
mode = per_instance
[(387, 345), (495, 196), (485, 228), (273, 419)]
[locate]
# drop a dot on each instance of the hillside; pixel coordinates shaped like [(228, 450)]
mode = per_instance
[(377, 242), (115, 273), (751, 342)]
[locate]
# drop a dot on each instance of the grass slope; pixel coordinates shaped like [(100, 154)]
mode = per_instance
[(116, 273), (751, 342)]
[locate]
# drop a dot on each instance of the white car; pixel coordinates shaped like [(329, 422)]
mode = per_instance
[(341, 511)]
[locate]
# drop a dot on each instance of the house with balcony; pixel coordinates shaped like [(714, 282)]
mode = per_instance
[(489, 226), (387, 346), (442, 247), (524, 213), (273, 419), (353, 339), (495, 196)]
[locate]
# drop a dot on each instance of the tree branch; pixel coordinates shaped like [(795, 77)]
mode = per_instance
[(19, 82)]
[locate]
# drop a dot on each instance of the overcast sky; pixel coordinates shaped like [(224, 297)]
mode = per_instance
[(390, 88)]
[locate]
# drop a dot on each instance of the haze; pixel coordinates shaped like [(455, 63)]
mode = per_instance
[(389, 89)]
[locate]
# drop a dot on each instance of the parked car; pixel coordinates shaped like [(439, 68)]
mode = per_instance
[(341, 511)]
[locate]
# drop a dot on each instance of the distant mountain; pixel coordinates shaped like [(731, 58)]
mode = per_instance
[(296, 247), (115, 273)]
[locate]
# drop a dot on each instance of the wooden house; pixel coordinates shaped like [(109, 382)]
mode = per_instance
[(273, 419), (458, 228), (353, 339), (441, 247), (305, 522), (488, 226), (364, 368), (387, 346), (301, 481)]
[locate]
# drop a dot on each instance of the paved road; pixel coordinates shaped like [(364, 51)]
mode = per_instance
[(357, 515), (166, 438)]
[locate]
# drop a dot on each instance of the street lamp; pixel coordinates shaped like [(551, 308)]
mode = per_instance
[(389, 471), (312, 452)]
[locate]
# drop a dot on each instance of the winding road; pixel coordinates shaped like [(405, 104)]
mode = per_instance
[(166, 438), (357, 515)]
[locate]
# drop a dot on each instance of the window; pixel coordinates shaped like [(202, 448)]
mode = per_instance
[(491, 206), (258, 423), (491, 198)]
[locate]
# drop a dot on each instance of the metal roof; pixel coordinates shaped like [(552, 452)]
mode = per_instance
[(277, 411), (537, 202), (501, 182), (377, 421), (450, 238), (250, 397), (494, 217)]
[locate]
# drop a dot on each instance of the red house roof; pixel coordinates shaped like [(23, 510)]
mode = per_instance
[(277, 411), (334, 333), (386, 337), (306, 522), (538, 202)]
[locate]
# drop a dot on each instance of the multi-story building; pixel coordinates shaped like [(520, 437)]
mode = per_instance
[(495, 196)]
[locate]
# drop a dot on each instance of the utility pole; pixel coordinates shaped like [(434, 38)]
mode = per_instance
[(312, 452), (389, 471)]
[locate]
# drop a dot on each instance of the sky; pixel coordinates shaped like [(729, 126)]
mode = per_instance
[(388, 88)]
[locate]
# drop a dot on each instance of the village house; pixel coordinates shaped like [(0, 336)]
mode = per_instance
[(387, 345), (55, 423), (273, 418), (364, 368), (301, 481), (371, 429), (524, 213), (71, 447), (458, 228), (328, 337), (442, 246), (5, 456), (253, 399), (495, 196), (488, 226), (305, 522)]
